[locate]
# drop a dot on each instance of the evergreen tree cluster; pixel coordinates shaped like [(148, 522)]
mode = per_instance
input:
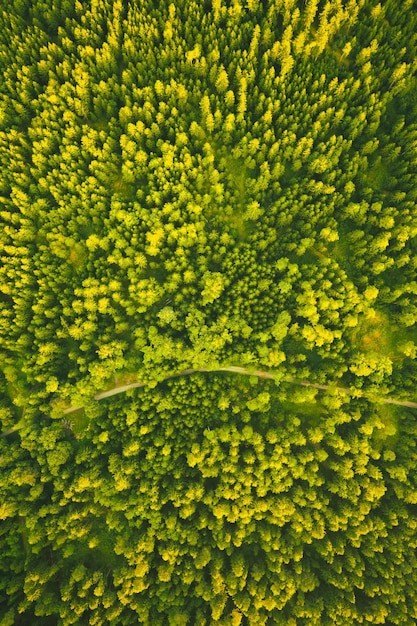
[(199, 185)]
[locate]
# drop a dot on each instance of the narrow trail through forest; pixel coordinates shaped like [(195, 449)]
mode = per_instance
[(234, 369), (241, 370)]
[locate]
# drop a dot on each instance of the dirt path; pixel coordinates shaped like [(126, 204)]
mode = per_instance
[(241, 370), (307, 383), (234, 369)]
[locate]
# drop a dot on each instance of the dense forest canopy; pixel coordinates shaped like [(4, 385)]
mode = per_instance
[(227, 186)]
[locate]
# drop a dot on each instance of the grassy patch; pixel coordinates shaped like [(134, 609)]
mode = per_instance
[(374, 333), (387, 436), (311, 413), (302, 402), (125, 189), (377, 175), (314, 255), (123, 379), (79, 422), (340, 251), (23, 534)]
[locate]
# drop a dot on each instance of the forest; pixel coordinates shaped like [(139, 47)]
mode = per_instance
[(208, 313)]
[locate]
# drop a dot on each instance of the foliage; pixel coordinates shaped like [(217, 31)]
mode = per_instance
[(195, 186)]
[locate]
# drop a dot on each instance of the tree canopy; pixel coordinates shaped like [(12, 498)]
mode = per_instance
[(208, 185)]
